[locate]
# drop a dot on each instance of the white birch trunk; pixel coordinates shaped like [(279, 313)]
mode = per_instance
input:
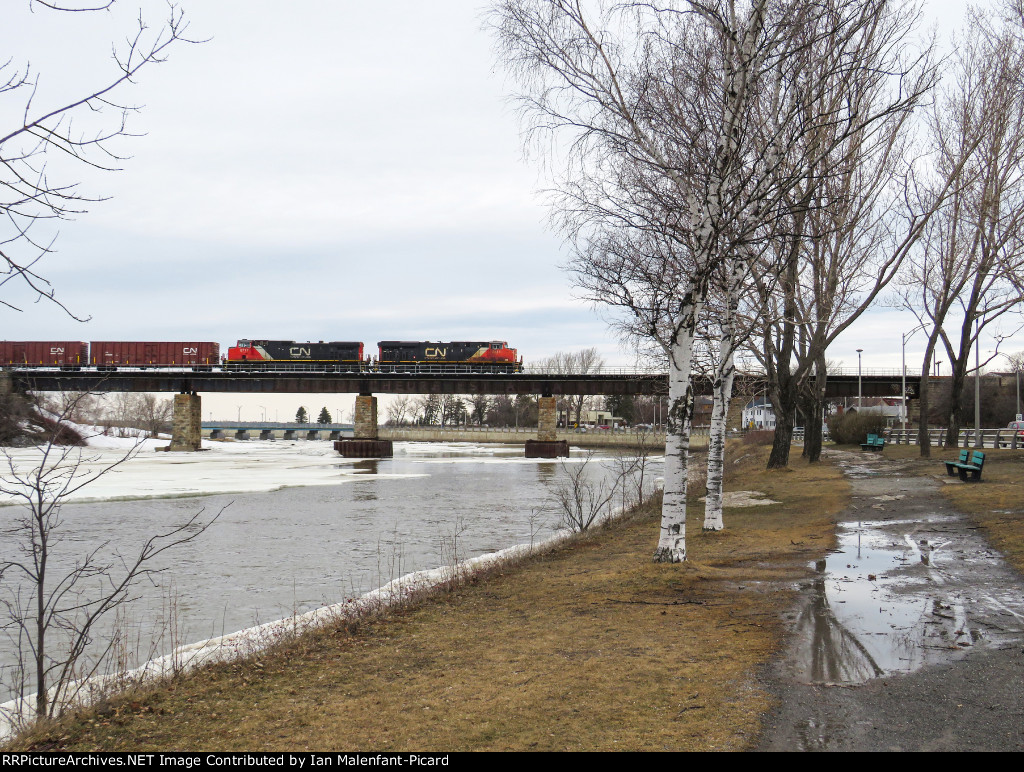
[(725, 372), (672, 540), (724, 375)]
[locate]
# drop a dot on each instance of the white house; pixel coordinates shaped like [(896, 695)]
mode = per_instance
[(759, 414)]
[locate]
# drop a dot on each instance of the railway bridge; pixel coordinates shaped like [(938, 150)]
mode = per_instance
[(189, 383)]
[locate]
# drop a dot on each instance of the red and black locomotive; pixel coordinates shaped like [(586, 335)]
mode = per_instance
[(494, 356), (261, 354)]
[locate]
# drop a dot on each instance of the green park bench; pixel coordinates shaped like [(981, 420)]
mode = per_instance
[(975, 466), (874, 443), (965, 456)]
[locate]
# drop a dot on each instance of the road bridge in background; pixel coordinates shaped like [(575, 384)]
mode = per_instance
[(267, 430)]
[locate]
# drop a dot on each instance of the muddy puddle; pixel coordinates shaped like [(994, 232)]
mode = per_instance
[(914, 585)]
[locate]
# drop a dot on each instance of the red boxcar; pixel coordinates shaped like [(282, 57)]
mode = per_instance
[(142, 353), (44, 352)]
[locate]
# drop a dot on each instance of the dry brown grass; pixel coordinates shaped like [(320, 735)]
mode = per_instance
[(589, 647), (996, 504)]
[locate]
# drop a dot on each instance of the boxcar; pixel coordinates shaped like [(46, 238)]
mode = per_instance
[(332, 354), (485, 355), (44, 352), (113, 353)]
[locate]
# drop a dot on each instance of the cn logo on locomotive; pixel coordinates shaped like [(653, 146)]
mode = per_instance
[(299, 351), (434, 353)]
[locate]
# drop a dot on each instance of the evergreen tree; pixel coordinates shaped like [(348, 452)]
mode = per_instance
[(301, 417), (324, 417)]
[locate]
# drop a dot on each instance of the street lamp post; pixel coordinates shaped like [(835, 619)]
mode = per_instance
[(239, 413), (907, 336), (977, 385), (860, 402)]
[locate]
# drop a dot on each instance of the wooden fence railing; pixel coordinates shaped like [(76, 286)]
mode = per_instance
[(969, 438)]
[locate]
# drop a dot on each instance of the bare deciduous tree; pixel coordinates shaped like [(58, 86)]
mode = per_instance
[(971, 269), (580, 362), (41, 146), (128, 411), (54, 613), (399, 410), (855, 212), (581, 500)]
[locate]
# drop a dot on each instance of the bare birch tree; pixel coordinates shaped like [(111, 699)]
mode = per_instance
[(84, 132), (688, 129)]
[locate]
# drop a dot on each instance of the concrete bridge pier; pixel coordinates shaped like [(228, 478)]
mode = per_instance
[(547, 444), (186, 432), (312, 434), (266, 434), (365, 442), (6, 385)]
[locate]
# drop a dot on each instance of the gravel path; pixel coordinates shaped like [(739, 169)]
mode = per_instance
[(910, 636)]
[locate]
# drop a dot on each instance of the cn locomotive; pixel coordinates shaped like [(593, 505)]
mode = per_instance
[(494, 355), (393, 356)]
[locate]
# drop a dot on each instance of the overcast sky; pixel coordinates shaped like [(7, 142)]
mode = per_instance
[(319, 170)]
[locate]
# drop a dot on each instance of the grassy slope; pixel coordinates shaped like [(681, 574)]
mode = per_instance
[(592, 647)]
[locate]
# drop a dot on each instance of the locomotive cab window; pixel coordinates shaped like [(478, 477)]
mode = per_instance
[(496, 346)]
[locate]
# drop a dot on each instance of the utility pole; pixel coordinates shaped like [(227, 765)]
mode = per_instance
[(860, 399)]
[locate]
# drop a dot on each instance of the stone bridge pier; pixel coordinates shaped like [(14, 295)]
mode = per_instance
[(186, 432), (547, 444), (365, 442)]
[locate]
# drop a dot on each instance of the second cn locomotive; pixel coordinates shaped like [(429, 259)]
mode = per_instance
[(491, 356)]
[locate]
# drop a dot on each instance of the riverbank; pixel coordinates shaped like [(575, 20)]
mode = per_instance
[(588, 647), (653, 441)]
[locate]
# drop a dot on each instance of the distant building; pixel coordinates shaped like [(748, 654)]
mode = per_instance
[(759, 414), (889, 407), (589, 418)]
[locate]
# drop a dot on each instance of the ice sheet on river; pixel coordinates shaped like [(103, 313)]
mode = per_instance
[(242, 467)]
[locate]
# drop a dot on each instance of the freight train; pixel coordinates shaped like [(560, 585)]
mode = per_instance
[(335, 356)]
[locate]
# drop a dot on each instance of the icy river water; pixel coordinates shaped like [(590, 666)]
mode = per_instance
[(340, 528)]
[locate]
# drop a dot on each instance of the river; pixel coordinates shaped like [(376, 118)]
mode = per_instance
[(273, 553)]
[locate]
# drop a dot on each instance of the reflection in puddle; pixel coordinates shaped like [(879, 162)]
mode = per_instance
[(891, 600)]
